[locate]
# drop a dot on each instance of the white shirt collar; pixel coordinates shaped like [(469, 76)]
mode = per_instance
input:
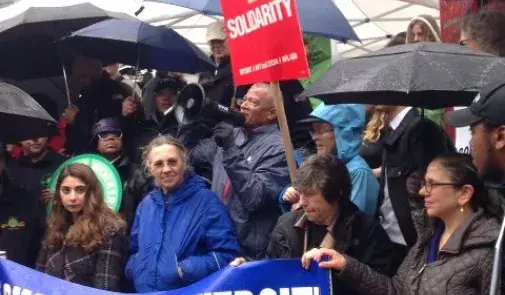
[(395, 122)]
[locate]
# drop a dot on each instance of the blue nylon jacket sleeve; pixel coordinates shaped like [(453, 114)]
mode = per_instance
[(220, 241), (134, 245), (285, 207), (365, 191), (261, 186)]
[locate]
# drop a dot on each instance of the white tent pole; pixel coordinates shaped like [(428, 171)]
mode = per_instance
[(167, 17), (379, 16)]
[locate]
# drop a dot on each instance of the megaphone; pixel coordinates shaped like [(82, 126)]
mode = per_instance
[(192, 104)]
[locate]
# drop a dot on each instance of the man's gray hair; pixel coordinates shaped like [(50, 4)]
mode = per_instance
[(487, 29), (265, 86)]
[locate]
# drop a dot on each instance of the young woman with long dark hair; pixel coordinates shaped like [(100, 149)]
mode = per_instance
[(85, 240)]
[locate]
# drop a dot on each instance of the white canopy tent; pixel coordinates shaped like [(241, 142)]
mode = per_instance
[(375, 21)]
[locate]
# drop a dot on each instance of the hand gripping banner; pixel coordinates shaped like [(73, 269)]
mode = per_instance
[(269, 277)]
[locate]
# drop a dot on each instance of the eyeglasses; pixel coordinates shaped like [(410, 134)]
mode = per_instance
[(428, 186), (241, 102), (111, 135), (317, 134)]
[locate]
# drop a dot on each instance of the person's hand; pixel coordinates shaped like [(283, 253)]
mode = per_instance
[(291, 195), (70, 113), (63, 152), (335, 260), (9, 147), (377, 172), (414, 183), (223, 135), (238, 261), (129, 106), (46, 196)]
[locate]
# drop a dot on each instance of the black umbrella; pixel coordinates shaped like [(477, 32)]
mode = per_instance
[(138, 43), (21, 117), (427, 75), (28, 48)]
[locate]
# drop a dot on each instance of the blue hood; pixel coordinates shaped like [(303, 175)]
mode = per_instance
[(348, 121), (192, 183)]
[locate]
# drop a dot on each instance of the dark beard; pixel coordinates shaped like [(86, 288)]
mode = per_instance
[(492, 172)]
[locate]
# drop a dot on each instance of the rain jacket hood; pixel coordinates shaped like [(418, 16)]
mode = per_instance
[(348, 121), (434, 115), (430, 22)]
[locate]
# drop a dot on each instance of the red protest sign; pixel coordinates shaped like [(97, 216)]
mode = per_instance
[(265, 40)]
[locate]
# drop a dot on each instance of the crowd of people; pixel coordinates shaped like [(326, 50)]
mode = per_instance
[(380, 196)]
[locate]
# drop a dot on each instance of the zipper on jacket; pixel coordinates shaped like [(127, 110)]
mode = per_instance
[(421, 270)]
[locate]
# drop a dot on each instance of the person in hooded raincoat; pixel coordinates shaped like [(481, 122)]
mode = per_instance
[(424, 28), (337, 130)]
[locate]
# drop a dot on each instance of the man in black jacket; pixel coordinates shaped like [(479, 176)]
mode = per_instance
[(100, 97), (35, 166), (487, 145), (218, 84), (140, 129), (21, 221)]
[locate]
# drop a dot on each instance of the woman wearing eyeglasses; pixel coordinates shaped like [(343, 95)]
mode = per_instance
[(108, 142), (455, 248)]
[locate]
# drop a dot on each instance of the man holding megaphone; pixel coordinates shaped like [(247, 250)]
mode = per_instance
[(249, 168)]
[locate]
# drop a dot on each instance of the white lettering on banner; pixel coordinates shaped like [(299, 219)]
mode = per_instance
[(270, 291), (269, 63), (16, 290), (261, 16), (463, 136)]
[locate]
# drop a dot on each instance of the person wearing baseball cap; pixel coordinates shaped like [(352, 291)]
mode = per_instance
[(159, 121), (486, 119), (218, 84)]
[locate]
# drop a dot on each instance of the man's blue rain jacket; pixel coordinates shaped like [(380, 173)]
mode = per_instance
[(189, 228), (257, 170)]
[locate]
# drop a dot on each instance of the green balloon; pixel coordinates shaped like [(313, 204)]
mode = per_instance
[(112, 188)]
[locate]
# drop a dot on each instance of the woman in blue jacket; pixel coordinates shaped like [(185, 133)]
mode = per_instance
[(182, 231)]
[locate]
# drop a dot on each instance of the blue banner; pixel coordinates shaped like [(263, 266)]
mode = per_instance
[(269, 277)]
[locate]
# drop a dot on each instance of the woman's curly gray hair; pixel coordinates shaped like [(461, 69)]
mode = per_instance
[(165, 140)]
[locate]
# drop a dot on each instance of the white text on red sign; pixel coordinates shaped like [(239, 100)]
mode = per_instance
[(259, 17)]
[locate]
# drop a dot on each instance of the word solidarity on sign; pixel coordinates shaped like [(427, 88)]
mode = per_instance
[(265, 40), (271, 277)]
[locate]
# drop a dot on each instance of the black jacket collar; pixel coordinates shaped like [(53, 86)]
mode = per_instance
[(394, 135)]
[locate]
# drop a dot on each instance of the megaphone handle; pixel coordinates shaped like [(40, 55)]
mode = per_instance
[(233, 104), (283, 124)]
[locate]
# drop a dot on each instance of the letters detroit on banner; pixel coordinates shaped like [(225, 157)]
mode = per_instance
[(265, 41), (269, 277)]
